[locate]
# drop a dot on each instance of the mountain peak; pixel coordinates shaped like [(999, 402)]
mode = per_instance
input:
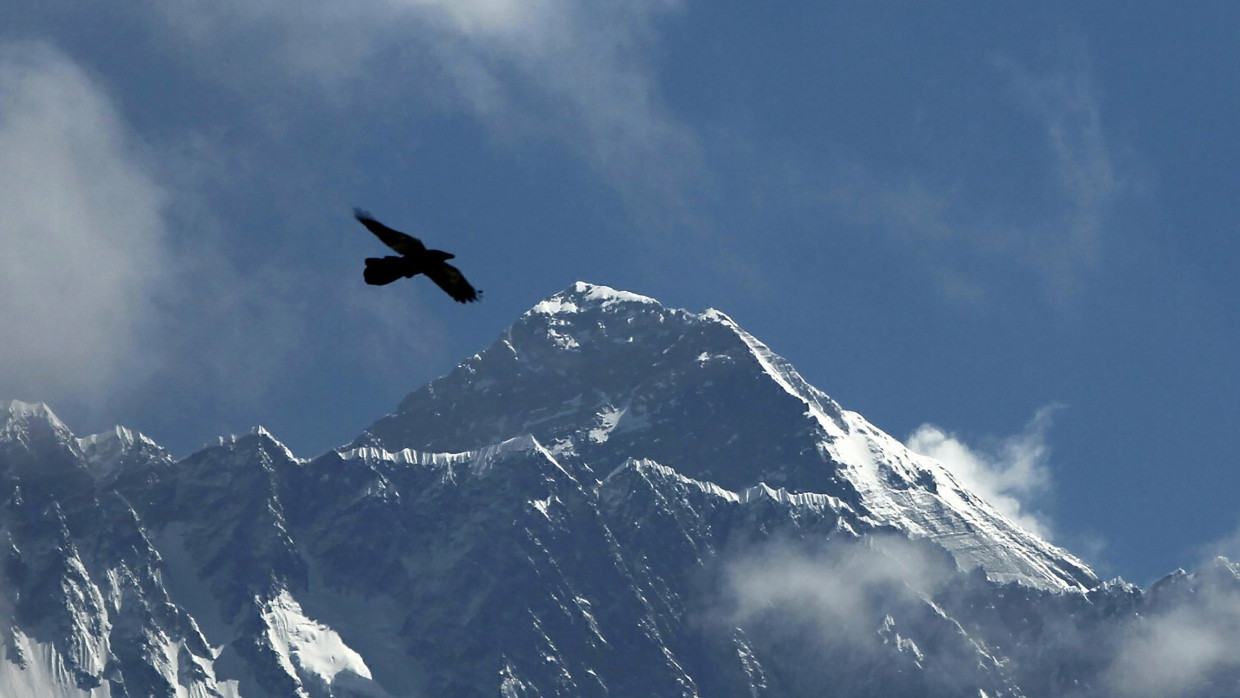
[(258, 437), (22, 421), (116, 437), (107, 453), (583, 296), (26, 412), (39, 410), (601, 376)]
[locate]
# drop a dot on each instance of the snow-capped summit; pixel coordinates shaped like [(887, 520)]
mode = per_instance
[(40, 459), (603, 376), (20, 421), (583, 297), (110, 452), (18, 408)]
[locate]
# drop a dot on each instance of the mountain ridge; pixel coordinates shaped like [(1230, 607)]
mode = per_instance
[(700, 363), (599, 538)]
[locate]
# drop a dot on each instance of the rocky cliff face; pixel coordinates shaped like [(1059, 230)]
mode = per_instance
[(614, 499)]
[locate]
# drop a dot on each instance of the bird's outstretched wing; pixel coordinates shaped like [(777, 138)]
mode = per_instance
[(452, 281), (402, 243)]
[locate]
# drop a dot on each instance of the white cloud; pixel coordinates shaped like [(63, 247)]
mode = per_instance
[(572, 71), (1010, 474), (99, 302), (83, 239), (1183, 649), (1181, 643), (837, 590)]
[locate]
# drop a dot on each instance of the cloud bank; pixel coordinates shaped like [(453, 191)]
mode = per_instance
[(885, 616), (858, 615)]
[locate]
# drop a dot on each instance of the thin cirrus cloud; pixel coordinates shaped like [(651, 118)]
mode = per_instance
[(961, 238), (1089, 180), (83, 236), (1011, 474)]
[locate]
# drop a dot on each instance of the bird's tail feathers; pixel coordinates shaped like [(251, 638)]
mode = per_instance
[(383, 270)]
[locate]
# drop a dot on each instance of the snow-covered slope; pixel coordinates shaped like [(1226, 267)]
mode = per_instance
[(602, 376), (82, 594), (615, 499)]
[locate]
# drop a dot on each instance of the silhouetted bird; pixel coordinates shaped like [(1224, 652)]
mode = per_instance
[(415, 259)]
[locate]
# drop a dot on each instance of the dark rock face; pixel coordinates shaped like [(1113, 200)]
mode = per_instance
[(600, 376)]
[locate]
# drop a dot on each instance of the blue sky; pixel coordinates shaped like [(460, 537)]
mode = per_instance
[(1004, 232)]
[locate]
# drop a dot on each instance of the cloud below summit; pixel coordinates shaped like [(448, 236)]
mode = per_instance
[(1186, 647)]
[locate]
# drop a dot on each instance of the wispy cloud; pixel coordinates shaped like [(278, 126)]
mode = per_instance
[(857, 615), (861, 601), (118, 285), (1187, 647), (834, 588), (1072, 241), (85, 253), (956, 233), (1228, 546), (1010, 473), (574, 72)]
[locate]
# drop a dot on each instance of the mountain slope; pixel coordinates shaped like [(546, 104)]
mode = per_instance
[(615, 499), (602, 376)]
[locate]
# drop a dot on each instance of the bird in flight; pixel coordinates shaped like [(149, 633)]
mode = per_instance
[(414, 259)]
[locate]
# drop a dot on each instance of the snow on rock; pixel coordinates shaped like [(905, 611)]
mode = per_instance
[(120, 436), (582, 296), (466, 545), (31, 669), (477, 462), (311, 651), (108, 453), (26, 411), (22, 420), (605, 375)]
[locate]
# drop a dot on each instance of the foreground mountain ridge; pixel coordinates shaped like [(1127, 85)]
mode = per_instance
[(615, 498)]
